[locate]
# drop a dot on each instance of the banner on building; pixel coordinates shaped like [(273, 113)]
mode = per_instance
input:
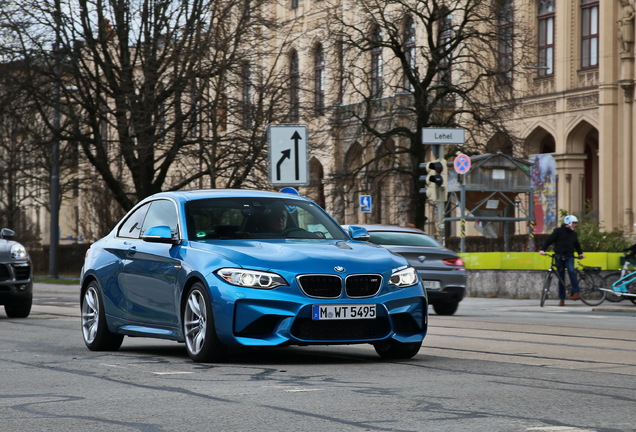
[(545, 197)]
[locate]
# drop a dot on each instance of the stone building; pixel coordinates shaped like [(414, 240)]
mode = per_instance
[(572, 97)]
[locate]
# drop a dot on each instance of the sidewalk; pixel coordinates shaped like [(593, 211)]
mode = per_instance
[(52, 288)]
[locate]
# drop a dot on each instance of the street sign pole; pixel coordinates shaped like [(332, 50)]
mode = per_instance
[(437, 138)]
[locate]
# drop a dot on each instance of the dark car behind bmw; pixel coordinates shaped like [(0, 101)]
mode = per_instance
[(442, 271)]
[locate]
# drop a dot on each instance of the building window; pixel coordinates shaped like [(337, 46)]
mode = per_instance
[(589, 33), (376, 63), (319, 81), (505, 27), (444, 49), (409, 52), (294, 87), (546, 38)]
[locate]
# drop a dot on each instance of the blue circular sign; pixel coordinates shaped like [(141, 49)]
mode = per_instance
[(462, 164), (290, 190)]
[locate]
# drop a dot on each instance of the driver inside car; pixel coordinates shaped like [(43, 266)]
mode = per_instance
[(276, 220)]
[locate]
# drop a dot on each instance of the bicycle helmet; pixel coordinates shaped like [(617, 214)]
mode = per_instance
[(570, 219)]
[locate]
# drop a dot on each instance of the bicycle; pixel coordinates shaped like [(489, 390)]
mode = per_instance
[(590, 281), (622, 284)]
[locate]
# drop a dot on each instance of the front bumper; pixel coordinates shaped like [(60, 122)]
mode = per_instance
[(269, 318), (452, 285), (15, 282)]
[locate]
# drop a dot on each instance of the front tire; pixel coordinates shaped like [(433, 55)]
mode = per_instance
[(393, 349), (590, 294), (609, 280), (95, 331), (546, 288), (19, 308), (202, 343)]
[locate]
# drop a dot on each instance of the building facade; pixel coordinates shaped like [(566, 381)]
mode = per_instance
[(572, 96)]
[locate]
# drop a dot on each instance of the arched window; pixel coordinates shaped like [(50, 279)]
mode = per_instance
[(409, 51), (294, 87), (546, 37), (376, 63), (319, 80), (589, 33)]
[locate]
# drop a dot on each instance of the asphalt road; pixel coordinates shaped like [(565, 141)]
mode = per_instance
[(497, 365)]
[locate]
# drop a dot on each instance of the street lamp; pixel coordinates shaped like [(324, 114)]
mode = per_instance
[(55, 150)]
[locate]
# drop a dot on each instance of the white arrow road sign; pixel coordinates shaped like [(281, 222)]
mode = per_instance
[(288, 164)]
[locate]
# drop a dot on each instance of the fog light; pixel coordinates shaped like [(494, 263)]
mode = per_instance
[(21, 288)]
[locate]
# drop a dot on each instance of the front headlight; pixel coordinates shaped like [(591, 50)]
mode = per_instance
[(404, 277), (18, 252), (251, 278)]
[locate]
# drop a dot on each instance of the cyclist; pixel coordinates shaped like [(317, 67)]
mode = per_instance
[(566, 243)]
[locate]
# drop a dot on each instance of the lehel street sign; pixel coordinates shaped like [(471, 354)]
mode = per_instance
[(288, 164), (443, 136)]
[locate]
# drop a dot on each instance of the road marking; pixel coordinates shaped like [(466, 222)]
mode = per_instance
[(560, 429)]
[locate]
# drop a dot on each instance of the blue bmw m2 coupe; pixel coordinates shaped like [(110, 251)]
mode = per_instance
[(228, 268)]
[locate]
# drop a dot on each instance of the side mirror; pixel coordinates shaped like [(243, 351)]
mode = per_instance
[(359, 233), (7, 233), (159, 234)]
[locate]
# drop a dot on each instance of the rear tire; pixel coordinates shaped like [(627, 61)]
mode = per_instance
[(445, 308), (589, 284), (95, 331), (546, 288), (19, 308), (392, 349)]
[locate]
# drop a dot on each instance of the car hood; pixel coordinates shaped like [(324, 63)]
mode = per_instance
[(306, 256)]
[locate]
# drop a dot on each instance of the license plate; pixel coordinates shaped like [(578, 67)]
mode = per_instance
[(343, 312), (432, 285)]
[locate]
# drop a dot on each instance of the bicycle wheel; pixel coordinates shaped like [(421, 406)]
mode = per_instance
[(590, 283), (546, 288), (609, 279)]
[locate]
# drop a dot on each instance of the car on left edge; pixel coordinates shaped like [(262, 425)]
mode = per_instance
[(218, 269), (16, 276)]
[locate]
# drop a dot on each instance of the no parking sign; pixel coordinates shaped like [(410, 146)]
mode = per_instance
[(462, 164)]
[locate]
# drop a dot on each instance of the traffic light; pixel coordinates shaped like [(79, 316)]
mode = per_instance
[(442, 188), (433, 178)]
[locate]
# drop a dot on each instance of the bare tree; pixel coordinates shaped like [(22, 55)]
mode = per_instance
[(23, 163), (148, 88), (428, 63)]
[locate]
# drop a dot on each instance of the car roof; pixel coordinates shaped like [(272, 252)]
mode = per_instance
[(195, 194)]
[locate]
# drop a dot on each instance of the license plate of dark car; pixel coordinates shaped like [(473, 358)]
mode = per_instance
[(432, 285), (343, 312)]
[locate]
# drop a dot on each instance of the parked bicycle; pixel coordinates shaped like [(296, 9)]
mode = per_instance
[(622, 284), (590, 281)]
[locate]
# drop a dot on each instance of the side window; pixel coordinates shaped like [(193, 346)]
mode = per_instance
[(162, 212), (132, 226)]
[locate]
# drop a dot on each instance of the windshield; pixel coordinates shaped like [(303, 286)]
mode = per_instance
[(258, 218), (402, 239)]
